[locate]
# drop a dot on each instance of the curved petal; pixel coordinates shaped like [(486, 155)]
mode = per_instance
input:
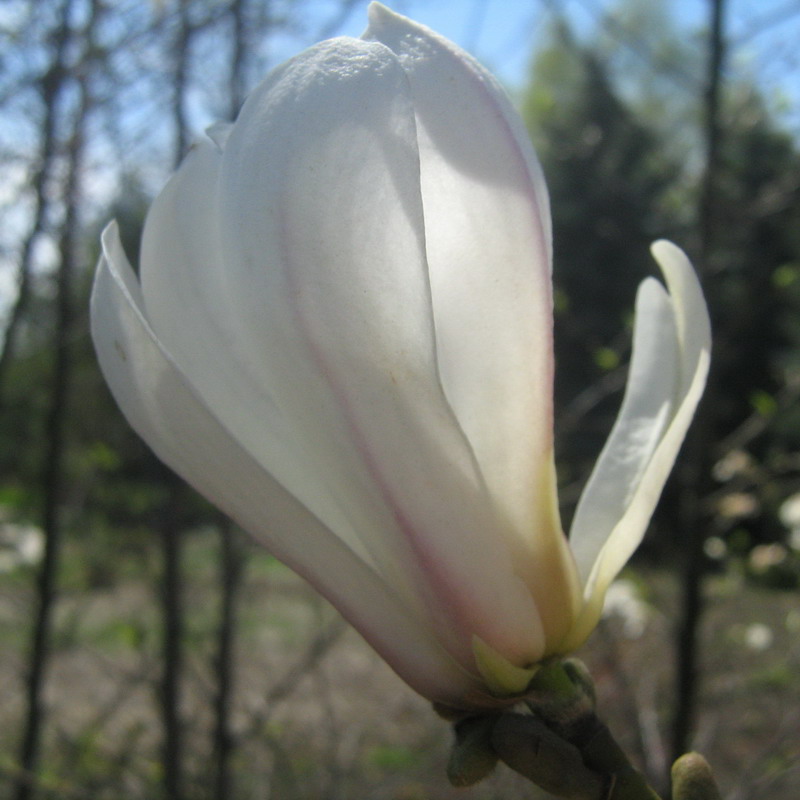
[(325, 295), (165, 410), (487, 226), (671, 351), (184, 296), (182, 265), (184, 293)]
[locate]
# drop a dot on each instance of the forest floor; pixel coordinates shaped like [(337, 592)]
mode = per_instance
[(317, 715)]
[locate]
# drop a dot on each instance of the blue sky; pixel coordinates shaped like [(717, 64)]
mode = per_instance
[(501, 33), (763, 34)]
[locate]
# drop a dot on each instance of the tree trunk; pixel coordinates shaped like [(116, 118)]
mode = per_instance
[(50, 88), (53, 474), (696, 475)]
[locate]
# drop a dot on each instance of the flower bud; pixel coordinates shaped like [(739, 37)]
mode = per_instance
[(341, 334)]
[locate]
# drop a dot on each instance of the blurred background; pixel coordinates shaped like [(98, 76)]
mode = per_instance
[(148, 650)]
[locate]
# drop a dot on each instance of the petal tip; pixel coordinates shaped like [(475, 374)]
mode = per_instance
[(111, 245), (218, 132), (663, 251), (380, 18), (378, 12), (501, 676), (109, 234)]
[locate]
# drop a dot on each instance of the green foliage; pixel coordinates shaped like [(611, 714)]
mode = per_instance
[(392, 757), (609, 178), (606, 134)]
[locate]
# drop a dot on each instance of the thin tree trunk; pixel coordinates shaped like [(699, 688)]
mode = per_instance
[(231, 562), (690, 512), (238, 56), (180, 81), (50, 85), (231, 568), (172, 637), (169, 522), (53, 475)]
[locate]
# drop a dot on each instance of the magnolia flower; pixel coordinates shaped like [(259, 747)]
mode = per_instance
[(341, 334)]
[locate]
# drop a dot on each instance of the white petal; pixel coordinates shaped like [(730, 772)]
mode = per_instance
[(183, 277), (487, 232), (647, 410), (671, 350), (183, 271), (182, 265), (325, 295), (164, 408)]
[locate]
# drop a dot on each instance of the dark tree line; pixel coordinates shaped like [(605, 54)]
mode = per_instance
[(733, 204)]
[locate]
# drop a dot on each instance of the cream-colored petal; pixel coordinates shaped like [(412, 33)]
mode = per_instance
[(672, 344), (302, 244), (487, 239), (167, 412)]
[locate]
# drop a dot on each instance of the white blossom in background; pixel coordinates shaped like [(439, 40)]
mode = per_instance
[(624, 602), (20, 545), (789, 514), (341, 334), (758, 637)]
